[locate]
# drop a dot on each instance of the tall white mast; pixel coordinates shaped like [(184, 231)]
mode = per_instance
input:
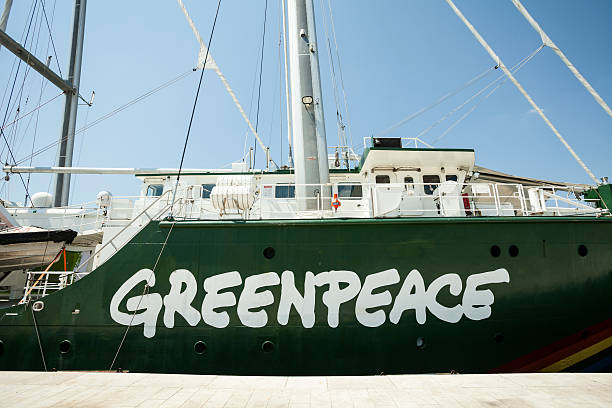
[(64, 156), (309, 141)]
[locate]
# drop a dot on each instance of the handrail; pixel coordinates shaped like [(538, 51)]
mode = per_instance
[(133, 220)]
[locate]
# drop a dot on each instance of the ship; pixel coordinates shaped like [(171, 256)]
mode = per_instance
[(413, 260)]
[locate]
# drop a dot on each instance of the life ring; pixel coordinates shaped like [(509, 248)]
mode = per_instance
[(335, 202)]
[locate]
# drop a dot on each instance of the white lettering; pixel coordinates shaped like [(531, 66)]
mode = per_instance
[(251, 299), (150, 303), (407, 300), (368, 300), (477, 303), (334, 296), (180, 302), (343, 286), (447, 314), (214, 300), (290, 296)]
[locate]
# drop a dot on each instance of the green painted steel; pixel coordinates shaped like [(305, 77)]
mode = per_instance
[(554, 291), (602, 194)]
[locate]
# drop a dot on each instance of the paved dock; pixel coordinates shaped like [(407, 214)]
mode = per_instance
[(78, 389)]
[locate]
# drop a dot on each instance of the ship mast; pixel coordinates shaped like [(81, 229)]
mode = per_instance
[(64, 156), (309, 141)]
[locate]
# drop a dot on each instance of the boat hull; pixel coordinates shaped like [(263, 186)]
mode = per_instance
[(553, 313)]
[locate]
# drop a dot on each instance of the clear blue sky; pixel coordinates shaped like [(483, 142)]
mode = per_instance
[(397, 57)]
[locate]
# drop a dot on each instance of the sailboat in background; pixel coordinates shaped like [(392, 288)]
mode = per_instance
[(412, 260)]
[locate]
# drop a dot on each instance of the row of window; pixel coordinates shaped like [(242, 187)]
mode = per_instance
[(155, 190), (431, 182)]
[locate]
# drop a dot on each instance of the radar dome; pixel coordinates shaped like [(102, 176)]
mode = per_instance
[(42, 199)]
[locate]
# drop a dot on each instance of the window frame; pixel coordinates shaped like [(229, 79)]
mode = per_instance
[(157, 187), (205, 189), (290, 191), (352, 190), (382, 182), (429, 186)]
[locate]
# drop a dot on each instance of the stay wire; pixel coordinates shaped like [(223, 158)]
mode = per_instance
[(437, 102), (505, 78), (347, 119), (42, 2), (10, 151), (195, 103), (144, 292), (261, 60), (515, 68), (107, 116)]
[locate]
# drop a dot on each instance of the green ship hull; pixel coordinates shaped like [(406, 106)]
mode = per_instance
[(552, 313)]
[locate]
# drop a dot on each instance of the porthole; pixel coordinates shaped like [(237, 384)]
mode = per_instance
[(499, 338), (38, 306), (269, 253), (199, 347), (267, 346), (64, 346), (495, 251), (420, 343), (582, 250), (513, 251), (1, 347)]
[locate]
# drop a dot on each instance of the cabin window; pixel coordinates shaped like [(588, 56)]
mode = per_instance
[(155, 190), (451, 177), (408, 181), (383, 179), (350, 191), (430, 183), (284, 191), (206, 190)]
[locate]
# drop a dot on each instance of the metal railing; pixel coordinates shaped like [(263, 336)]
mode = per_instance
[(428, 200), (51, 281), (368, 141)]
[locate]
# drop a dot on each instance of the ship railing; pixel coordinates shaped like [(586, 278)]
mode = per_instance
[(414, 142), (389, 200), (51, 281), (154, 210)]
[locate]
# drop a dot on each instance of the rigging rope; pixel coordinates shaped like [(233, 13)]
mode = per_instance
[(346, 107), (499, 62), (10, 151), (146, 288), (515, 68), (195, 103), (473, 108), (287, 90), (42, 2), (261, 60), (436, 103), (32, 111), (211, 64), (339, 120), (110, 114), (144, 292), (549, 43)]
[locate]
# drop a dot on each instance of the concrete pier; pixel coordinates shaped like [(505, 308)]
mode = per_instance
[(80, 389)]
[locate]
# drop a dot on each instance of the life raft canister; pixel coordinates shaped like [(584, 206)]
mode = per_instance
[(336, 203)]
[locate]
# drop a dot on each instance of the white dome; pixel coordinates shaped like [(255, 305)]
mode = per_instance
[(42, 199)]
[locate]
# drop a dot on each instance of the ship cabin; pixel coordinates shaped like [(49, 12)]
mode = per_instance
[(388, 182)]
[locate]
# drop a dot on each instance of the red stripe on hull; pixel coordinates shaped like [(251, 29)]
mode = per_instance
[(558, 350)]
